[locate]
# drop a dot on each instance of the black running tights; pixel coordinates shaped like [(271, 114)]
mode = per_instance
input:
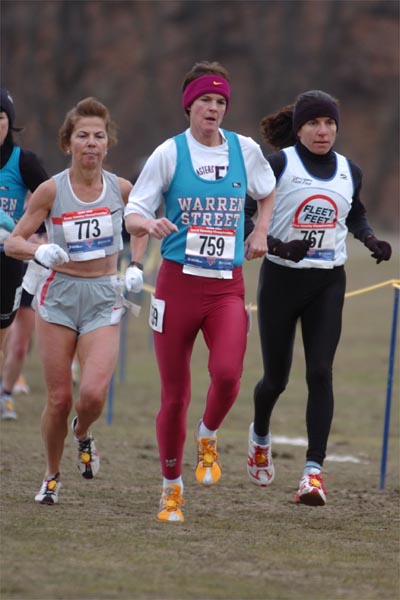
[(315, 298)]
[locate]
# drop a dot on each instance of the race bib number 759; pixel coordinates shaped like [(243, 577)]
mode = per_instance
[(210, 248)]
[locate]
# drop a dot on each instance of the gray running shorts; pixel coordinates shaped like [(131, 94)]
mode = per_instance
[(80, 303)]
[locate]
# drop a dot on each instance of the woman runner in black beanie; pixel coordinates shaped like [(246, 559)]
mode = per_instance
[(302, 276)]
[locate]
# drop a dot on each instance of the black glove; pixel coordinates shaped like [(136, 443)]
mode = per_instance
[(380, 250), (294, 250)]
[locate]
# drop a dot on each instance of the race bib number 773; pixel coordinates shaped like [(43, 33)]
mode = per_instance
[(88, 233)]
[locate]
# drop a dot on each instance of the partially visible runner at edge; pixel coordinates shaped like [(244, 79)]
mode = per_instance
[(21, 172)]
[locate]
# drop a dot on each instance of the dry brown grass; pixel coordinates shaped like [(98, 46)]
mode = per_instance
[(238, 542)]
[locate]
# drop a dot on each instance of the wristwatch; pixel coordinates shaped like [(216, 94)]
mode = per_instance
[(134, 263)]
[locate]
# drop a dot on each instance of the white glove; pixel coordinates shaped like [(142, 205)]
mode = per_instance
[(134, 279), (51, 255)]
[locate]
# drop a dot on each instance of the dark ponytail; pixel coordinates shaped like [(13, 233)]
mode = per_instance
[(277, 128)]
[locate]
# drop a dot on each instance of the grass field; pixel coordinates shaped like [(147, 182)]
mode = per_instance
[(103, 542)]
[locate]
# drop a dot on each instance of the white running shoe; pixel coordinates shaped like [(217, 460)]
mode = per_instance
[(259, 462), (7, 409), (312, 489), (88, 458), (48, 493), (21, 386)]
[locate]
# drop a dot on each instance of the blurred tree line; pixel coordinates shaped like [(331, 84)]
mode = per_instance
[(133, 54)]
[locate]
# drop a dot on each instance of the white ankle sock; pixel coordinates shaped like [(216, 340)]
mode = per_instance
[(204, 432), (313, 467), (261, 440), (169, 482)]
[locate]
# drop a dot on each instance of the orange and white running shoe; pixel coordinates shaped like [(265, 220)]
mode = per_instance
[(21, 386), (170, 503), (259, 462), (312, 491), (208, 470)]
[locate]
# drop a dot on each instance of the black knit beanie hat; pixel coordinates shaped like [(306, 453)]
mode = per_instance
[(7, 106), (314, 104)]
